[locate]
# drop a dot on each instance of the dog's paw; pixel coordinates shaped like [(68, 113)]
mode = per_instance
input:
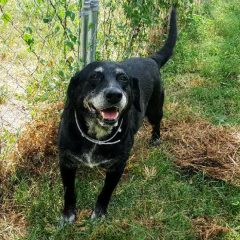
[(67, 219), (155, 142), (98, 213)]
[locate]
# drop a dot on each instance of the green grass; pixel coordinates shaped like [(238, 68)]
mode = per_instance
[(156, 206), (209, 48), (217, 103), (210, 100)]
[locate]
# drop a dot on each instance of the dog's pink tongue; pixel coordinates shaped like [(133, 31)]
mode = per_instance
[(109, 115)]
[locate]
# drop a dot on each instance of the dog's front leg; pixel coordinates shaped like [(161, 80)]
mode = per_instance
[(68, 179), (111, 181)]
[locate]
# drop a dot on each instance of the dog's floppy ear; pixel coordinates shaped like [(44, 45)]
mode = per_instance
[(136, 94), (74, 82), (72, 85)]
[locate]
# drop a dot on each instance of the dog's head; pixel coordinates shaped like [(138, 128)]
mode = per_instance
[(103, 92)]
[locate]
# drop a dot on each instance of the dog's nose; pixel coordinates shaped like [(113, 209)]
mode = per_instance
[(113, 95)]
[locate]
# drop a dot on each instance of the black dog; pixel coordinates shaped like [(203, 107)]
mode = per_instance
[(106, 104)]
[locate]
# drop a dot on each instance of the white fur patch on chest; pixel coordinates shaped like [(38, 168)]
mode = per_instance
[(89, 159), (96, 130)]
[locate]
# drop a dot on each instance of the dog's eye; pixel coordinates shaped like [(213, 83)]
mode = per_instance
[(96, 77), (122, 78)]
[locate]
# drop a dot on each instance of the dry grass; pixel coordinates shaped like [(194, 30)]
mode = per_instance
[(156, 38), (37, 142), (12, 224), (208, 228), (183, 82), (199, 145)]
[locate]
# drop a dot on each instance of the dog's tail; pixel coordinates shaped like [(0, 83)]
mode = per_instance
[(162, 56)]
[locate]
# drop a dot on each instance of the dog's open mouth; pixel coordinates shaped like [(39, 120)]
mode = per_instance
[(107, 115), (110, 114)]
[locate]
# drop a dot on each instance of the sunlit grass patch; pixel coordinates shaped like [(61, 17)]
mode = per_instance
[(220, 104), (191, 94)]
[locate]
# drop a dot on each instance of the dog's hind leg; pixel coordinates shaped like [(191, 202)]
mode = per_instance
[(154, 114), (111, 181)]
